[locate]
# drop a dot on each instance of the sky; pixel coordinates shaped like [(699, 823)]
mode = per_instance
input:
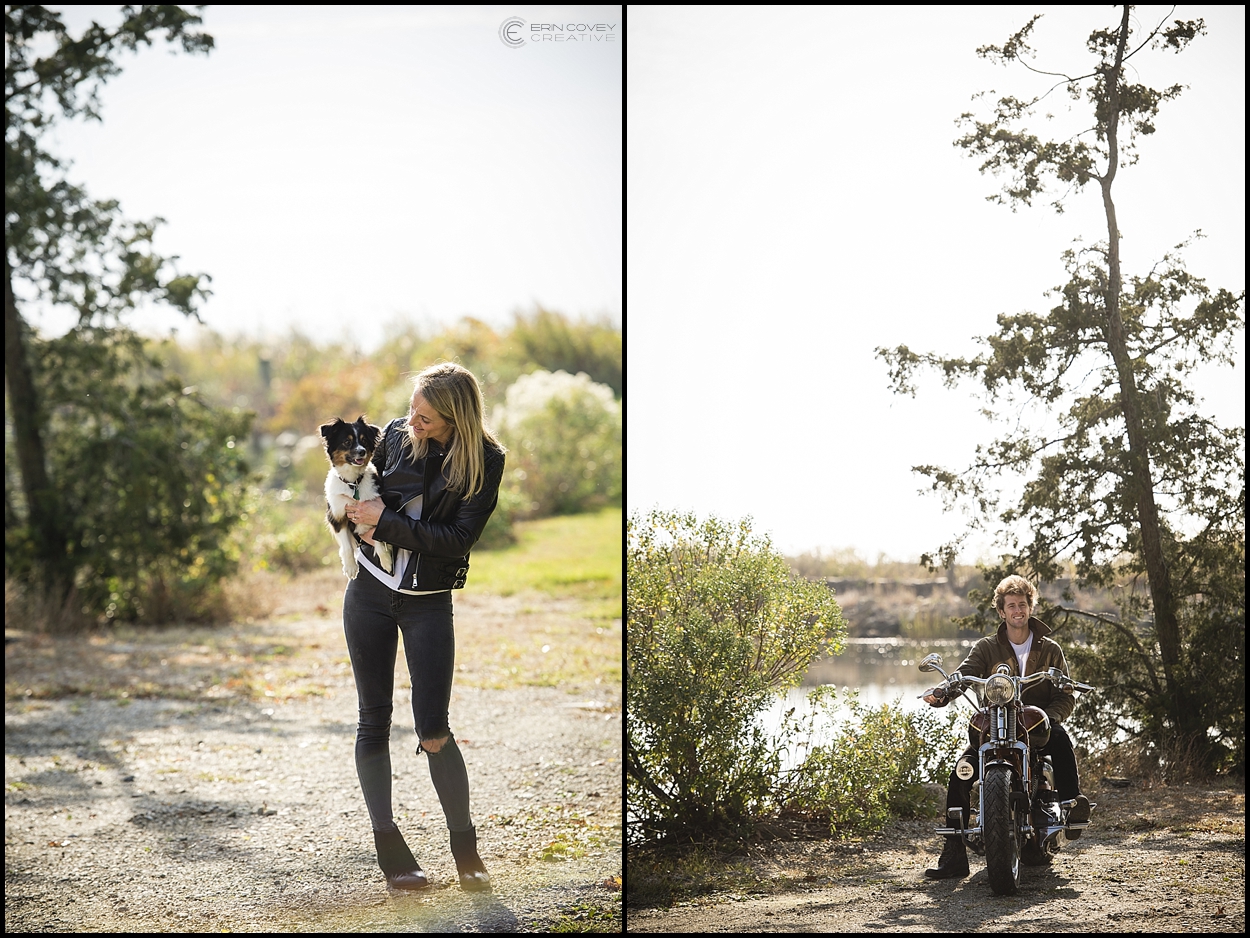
[(794, 201), (344, 169)]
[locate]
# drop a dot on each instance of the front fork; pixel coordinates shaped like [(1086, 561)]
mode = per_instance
[(1053, 828), (1014, 755)]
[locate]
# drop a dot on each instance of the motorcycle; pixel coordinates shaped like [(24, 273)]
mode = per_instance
[(1016, 815)]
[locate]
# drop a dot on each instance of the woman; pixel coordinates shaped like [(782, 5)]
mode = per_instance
[(440, 471)]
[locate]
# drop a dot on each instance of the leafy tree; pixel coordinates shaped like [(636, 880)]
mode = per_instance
[(717, 626), (1131, 482), (339, 392), (552, 342), (64, 248), (150, 478)]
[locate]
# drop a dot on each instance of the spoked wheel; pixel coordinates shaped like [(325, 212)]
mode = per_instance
[(1002, 831)]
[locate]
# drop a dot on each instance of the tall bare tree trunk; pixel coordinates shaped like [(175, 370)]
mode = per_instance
[(1167, 628), (42, 504)]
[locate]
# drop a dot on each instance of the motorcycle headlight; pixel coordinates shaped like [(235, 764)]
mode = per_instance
[(999, 690)]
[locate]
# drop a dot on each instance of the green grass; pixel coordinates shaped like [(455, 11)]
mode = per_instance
[(576, 556), (597, 915), (565, 575)]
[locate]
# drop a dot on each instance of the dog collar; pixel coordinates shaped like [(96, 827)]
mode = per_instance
[(355, 486)]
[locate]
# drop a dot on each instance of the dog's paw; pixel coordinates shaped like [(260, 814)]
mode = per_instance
[(386, 558)]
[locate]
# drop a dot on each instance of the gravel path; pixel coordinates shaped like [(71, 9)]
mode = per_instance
[(245, 815), (1167, 859)]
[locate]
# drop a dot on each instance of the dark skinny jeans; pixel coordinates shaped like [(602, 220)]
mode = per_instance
[(373, 617)]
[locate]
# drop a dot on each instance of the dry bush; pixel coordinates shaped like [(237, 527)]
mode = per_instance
[(266, 594), (1177, 761), (30, 609)]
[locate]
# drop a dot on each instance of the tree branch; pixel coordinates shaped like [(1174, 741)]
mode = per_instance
[(1119, 627), (1154, 32), (640, 775)]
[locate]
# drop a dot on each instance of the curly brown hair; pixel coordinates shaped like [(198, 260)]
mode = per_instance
[(1017, 585)]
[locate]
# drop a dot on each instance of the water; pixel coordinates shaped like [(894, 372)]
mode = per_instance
[(882, 670)]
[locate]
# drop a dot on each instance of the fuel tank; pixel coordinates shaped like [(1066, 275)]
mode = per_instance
[(1031, 723)]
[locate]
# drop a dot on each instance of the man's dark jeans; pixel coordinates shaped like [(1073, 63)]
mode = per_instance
[(1059, 748)]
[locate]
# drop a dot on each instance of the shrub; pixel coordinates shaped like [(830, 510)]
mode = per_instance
[(564, 436), (299, 544), (151, 479), (500, 530), (717, 626), (874, 769)]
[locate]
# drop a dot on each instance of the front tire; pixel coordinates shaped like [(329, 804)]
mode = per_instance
[(1002, 832)]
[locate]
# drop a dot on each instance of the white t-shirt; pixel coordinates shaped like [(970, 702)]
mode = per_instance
[(1022, 652), (412, 510)]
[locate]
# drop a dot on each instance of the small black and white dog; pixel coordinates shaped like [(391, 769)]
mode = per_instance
[(352, 475)]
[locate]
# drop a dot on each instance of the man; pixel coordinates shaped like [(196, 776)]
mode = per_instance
[(1021, 642)]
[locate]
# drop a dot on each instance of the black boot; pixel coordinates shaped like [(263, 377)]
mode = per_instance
[(953, 863), (1078, 813), (469, 865), (400, 866)]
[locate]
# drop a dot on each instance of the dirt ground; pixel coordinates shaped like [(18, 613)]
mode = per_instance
[(204, 781), (1163, 859)]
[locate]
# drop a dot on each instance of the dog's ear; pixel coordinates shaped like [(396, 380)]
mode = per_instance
[(328, 428), (368, 432)]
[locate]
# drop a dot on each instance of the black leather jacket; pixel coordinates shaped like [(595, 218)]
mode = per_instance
[(449, 526)]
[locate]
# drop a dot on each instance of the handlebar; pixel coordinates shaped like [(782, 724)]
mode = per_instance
[(958, 682)]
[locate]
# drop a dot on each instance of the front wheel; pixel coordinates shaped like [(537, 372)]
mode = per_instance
[(1002, 831)]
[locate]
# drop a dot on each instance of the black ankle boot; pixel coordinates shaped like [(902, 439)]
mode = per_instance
[(469, 865), (397, 862), (953, 863), (1079, 812)]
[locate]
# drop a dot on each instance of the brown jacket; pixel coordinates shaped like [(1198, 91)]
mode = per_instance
[(993, 650)]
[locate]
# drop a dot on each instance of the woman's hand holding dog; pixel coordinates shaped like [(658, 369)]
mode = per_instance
[(365, 513), (369, 512)]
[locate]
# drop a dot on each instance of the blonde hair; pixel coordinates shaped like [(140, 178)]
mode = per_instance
[(1014, 585), (454, 394)]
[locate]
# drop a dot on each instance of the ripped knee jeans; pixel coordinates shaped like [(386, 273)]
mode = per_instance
[(374, 616)]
